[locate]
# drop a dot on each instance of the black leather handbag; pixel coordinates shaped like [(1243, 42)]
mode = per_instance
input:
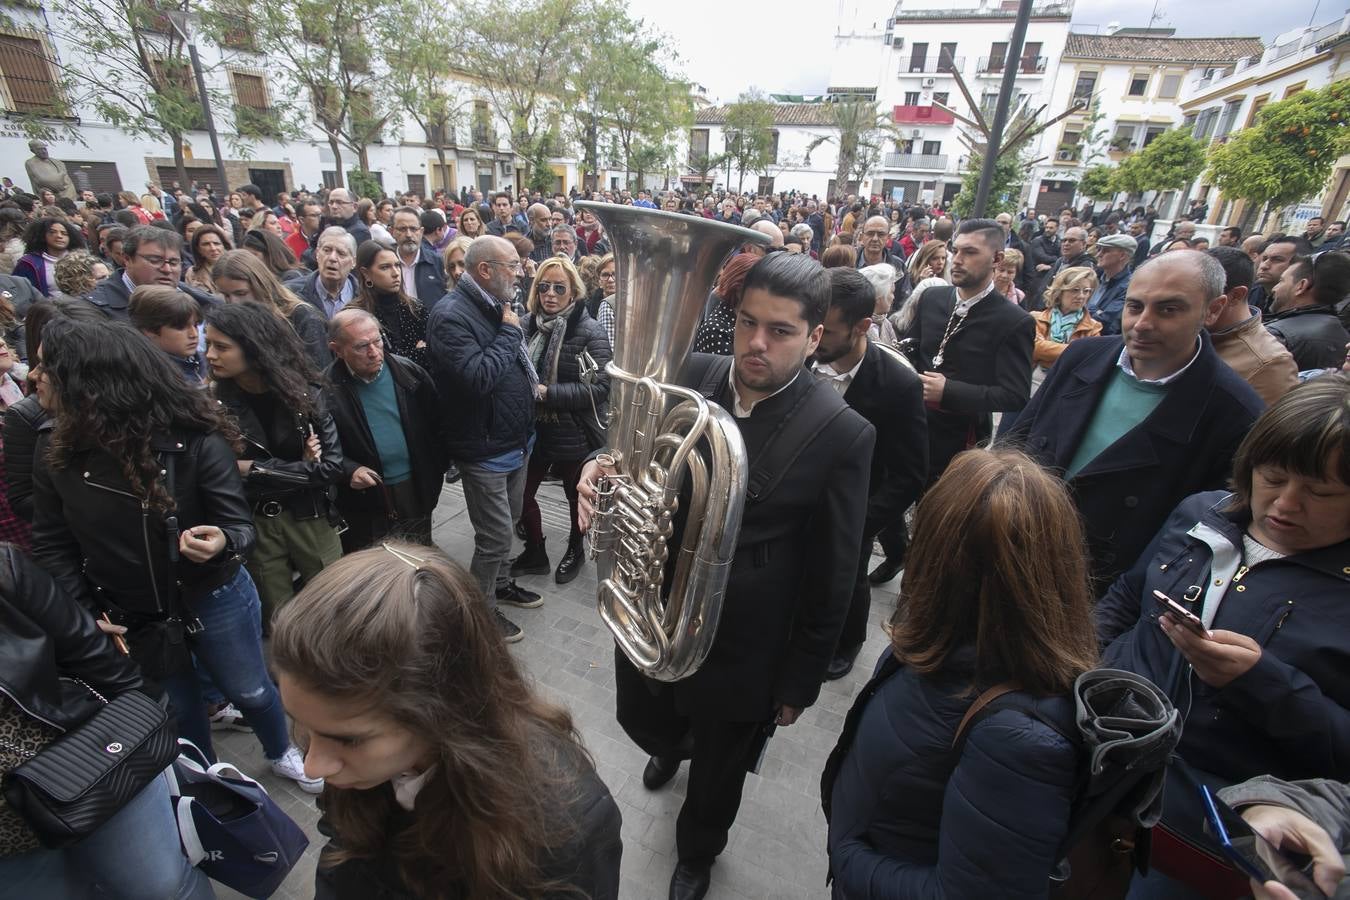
[(66, 790)]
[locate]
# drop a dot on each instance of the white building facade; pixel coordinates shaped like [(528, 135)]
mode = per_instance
[(795, 166), (910, 54), (103, 157), (1220, 102), (1135, 78)]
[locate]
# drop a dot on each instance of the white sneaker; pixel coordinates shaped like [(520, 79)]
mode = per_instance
[(229, 718), (292, 766)]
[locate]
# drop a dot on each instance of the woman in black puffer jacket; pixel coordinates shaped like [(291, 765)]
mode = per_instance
[(570, 414)]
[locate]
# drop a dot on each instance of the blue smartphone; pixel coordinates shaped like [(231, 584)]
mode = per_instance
[(1252, 854)]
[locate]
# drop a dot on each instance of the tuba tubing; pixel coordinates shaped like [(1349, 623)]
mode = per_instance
[(663, 437)]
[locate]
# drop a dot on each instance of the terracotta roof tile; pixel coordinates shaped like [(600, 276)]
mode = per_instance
[(817, 114), (1152, 48)]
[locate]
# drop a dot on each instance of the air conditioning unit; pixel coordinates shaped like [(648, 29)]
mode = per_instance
[(506, 167), (916, 133), (929, 82), (1063, 155), (897, 42)]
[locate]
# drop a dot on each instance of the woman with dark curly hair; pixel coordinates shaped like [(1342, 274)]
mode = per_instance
[(403, 319), (46, 241), (291, 457), (448, 774), (141, 517)]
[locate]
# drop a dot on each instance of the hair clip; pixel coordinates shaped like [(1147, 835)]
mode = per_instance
[(406, 557)]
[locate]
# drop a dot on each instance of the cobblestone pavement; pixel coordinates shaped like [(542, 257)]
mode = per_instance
[(777, 846)]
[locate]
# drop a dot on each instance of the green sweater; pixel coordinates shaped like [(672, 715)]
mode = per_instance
[(1125, 403)]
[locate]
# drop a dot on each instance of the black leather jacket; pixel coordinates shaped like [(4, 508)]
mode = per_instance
[(22, 421), (92, 532), (305, 488), (44, 636), (1313, 335)]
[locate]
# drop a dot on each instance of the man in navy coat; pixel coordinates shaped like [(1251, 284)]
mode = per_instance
[(1137, 422)]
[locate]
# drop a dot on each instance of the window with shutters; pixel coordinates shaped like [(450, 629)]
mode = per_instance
[(28, 81), (253, 113), (178, 84)]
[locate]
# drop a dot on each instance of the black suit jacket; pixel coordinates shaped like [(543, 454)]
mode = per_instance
[(795, 566), (889, 394), (1185, 445), (987, 364)]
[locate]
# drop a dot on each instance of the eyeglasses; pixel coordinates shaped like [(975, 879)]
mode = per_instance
[(514, 266), (160, 262), (362, 347), (874, 234), (545, 286), (406, 229), (607, 276)]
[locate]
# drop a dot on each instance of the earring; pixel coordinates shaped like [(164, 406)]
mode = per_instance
[(369, 283)]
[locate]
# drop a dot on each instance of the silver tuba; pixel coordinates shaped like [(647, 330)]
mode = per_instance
[(659, 435)]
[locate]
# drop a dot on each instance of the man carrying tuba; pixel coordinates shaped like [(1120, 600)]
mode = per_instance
[(792, 574)]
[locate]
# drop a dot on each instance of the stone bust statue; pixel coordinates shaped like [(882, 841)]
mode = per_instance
[(45, 172)]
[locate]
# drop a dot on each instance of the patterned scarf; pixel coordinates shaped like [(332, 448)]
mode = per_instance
[(1062, 325), (547, 341)]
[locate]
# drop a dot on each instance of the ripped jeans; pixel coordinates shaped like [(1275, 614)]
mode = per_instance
[(230, 650)]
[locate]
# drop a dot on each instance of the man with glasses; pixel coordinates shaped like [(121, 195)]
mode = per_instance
[(389, 419), (342, 213), (153, 256), (1072, 252), (563, 241), (423, 274), (487, 387), (872, 245)]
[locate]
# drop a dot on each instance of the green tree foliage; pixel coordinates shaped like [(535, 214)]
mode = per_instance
[(863, 133), (1004, 190), (327, 59), (749, 134), (1097, 183), (417, 46), (1289, 152), (517, 52), (1171, 162), (127, 64)]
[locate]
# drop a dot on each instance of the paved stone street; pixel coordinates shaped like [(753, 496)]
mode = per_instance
[(777, 846)]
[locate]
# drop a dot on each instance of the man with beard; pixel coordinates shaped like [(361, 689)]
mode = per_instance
[(793, 572), (886, 392), (423, 275), (1276, 255), (974, 345)]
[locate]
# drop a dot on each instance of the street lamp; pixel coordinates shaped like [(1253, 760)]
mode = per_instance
[(178, 18)]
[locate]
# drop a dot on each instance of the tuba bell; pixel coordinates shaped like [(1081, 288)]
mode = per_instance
[(660, 436)]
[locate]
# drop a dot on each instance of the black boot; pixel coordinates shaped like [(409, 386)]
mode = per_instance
[(532, 561), (885, 572), (572, 560), (842, 663)]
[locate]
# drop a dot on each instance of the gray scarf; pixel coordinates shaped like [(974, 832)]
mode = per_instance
[(547, 341)]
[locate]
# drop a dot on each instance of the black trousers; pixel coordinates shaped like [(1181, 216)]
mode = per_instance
[(364, 527), (860, 607), (719, 753)]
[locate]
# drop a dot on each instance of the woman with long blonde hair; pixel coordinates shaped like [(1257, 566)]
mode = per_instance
[(241, 277), (447, 775)]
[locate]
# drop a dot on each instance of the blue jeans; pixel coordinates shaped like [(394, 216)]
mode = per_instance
[(135, 855), (229, 649)]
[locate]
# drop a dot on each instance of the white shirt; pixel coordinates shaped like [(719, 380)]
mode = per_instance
[(963, 306), (410, 274), (743, 412), (838, 380), (1124, 363)]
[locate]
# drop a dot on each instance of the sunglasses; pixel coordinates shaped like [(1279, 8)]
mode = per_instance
[(546, 286)]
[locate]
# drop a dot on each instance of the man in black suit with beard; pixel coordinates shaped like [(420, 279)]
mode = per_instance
[(975, 348), (792, 575), (879, 385)]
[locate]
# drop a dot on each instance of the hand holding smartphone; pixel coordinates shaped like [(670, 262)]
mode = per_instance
[(1183, 616), (1253, 855)]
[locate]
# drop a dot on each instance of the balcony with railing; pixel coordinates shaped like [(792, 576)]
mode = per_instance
[(935, 162), (933, 65), (994, 65), (922, 115)]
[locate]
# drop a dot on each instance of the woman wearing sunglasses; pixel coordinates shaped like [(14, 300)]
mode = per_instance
[(570, 414)]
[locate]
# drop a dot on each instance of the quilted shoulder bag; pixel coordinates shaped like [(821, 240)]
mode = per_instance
[(66, 790)]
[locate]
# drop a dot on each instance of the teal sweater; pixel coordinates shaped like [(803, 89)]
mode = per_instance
[(1125, 403)]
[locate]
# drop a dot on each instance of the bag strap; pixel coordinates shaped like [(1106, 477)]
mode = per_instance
[(982, 701), (809, 416), (715, 377), (187, 832)]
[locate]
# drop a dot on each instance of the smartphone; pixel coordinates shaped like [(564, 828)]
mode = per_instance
[(1252, 854), (1183, 615)]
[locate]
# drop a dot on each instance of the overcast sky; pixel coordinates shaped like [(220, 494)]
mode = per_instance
[(785, 47)]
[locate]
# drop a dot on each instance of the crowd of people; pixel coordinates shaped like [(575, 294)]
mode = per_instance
[(229, 421)]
